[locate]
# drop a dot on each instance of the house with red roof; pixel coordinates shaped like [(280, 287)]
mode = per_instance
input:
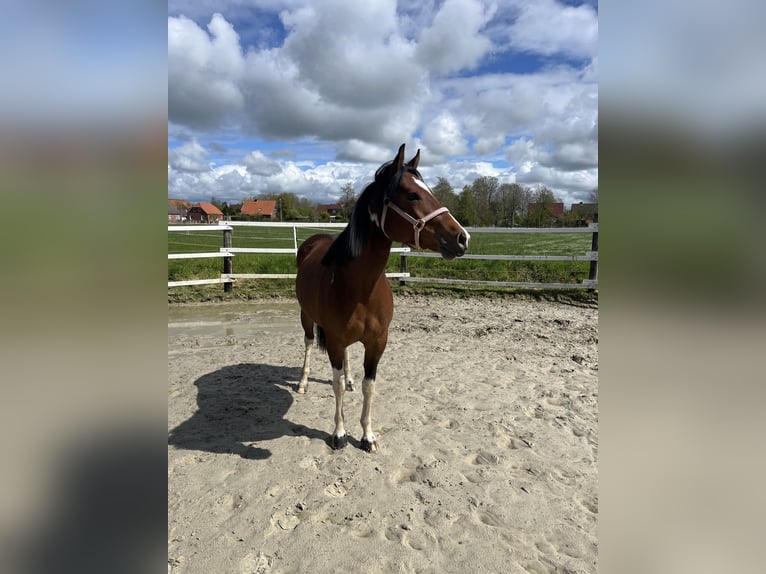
[(261, 208), (204, 212), (176, 212)]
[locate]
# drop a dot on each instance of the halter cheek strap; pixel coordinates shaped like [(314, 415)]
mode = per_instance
[(417, 224)]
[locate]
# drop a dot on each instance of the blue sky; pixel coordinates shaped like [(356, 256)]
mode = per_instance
[(306, 96)]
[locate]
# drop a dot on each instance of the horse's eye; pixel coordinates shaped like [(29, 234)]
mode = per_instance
[(412, 196)]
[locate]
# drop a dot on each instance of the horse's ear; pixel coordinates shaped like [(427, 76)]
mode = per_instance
[(398, 162), (413, 163)]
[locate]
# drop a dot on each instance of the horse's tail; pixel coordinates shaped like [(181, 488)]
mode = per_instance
[(321, 339)]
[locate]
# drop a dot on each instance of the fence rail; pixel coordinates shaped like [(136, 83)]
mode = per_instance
[(227, 252)]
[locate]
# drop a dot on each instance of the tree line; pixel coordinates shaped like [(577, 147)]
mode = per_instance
[(489, 203), (484, 203)]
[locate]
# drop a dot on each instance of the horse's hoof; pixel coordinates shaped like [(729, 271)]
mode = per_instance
[(301, 390), (349, 385), (368, 446), (338, 442)]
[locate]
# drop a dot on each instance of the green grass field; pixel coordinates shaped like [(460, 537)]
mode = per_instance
[(481, 243)]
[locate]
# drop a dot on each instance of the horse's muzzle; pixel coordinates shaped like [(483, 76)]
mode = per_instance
[(454, 247)]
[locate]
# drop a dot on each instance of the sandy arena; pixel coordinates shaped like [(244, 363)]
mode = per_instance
[(485, 412)]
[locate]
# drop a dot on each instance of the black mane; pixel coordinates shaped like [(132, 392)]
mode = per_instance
[(349, 243)]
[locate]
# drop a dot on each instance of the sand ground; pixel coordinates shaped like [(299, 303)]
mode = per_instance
[(485, 411)]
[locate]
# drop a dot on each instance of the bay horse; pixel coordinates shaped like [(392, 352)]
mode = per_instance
[(342, 286)]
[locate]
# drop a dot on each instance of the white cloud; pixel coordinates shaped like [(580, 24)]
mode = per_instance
[(444, 136), (190, 156), (550, 108), (204, 71), (357, 150), (522, 151), (573, 157), (486, 145), (365, 77), (258, 164), (548, 27), (350, 54), (575, 181), (454, 41)]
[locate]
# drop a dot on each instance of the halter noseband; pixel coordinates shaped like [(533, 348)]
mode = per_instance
[(417, 224)]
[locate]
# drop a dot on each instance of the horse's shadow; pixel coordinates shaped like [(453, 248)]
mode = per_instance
[(242, 404)]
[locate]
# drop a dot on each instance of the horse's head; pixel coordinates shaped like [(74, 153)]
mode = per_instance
[(409, 212)]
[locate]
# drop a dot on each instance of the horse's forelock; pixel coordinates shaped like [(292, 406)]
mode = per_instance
[(396, 181)]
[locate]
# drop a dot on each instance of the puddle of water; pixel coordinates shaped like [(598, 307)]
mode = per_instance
[(237, 319)]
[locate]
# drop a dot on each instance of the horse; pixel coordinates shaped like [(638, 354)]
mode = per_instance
[(341, 283)]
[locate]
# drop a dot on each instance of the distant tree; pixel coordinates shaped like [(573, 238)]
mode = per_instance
[(593, 195), (347, 200), (518, 201), (540, 211), (445, 194), (570, 219), (306, 208), (509, 202), (484, 190), (466, 208), (290, 207)]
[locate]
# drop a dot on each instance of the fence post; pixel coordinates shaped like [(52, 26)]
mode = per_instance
[(402, 267), (227, 260), (593, 274)]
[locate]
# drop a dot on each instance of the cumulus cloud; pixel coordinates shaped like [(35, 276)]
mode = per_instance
[(350, 54), (258, 164), (204, 71), (575, 181), (548, 27), (357, 150), (567, 157), (360, 78), (444, 135), (454, 41), (190, 157)]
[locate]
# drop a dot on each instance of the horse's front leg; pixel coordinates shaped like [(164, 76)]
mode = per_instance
[(372, 354), (339, 438)]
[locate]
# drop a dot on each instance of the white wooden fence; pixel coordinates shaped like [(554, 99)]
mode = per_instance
[(227, 252)]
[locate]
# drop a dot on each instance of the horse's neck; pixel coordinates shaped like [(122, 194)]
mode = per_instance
[(366, 269)]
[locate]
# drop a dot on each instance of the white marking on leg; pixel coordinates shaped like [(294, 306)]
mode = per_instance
[(306, 365), (347, 372), (368, 390), (338, 388)]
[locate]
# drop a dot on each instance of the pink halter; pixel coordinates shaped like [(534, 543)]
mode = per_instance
[(417, 224)]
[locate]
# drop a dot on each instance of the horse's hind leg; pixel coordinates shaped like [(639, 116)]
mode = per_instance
[(308, 340), (347, 372)]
